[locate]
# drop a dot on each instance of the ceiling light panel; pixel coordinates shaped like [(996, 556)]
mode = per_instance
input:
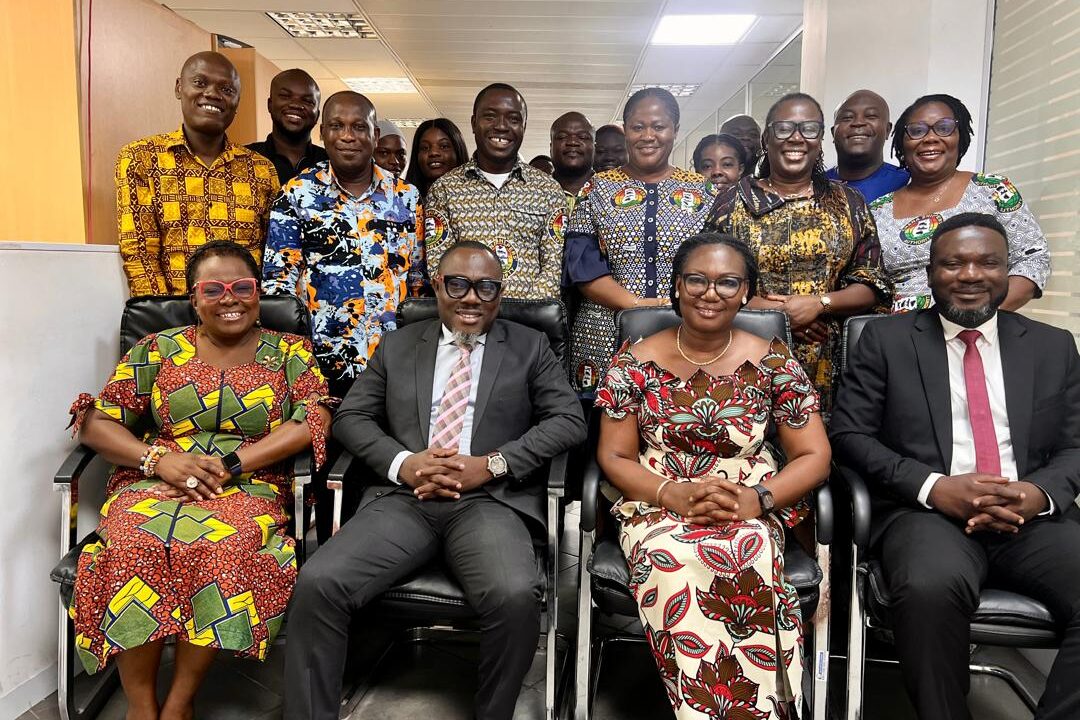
[(397, 85), (323, 25), (702, 29), (407, 122), (677, 89)]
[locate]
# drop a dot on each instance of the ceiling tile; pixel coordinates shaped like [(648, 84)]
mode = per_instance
[(244, 26)]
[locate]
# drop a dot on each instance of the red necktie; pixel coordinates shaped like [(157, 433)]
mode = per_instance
[(987, 458)]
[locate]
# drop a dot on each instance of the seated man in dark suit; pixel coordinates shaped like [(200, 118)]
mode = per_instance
[(965, 422), (453, 416)]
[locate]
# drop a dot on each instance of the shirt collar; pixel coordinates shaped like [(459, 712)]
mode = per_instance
[(179, 139), (473, 170), (273, 147), (988, 329), (378, 178), (447, 337)]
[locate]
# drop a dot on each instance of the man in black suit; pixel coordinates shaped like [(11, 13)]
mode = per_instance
[(454, 416), (965, 421)]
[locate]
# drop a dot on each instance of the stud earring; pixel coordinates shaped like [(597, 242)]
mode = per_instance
[(676, 294), (744, 300)]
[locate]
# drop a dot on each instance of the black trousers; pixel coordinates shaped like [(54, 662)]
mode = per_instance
[(486, 546), (935, 572)]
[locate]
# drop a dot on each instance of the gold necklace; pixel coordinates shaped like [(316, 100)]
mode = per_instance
[(800, 194), (678, 344), (935, 199)]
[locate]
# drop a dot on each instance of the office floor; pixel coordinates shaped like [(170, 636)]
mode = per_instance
[(436, 679)]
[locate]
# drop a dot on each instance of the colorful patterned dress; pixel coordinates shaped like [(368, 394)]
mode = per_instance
[(905, 242), (722, 621), (215, 573), (804, 249), (630, 230)]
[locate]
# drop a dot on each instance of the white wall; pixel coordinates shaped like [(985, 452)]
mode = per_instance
[(900, 50), (60, 311)]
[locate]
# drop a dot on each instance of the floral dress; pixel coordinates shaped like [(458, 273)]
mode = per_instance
[(722, 621), (215, 573)]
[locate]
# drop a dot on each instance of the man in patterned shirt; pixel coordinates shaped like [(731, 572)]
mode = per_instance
[(495, 198), (342, 238), (179, 190)]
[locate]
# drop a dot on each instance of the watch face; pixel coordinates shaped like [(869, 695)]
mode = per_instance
[(497, 465)]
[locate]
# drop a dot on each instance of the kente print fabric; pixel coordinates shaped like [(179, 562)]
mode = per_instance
[(215, 573), (722, 621), (524, 222), (168, 203), (803, 249), (630, 230), (347, 257), (905, 242)]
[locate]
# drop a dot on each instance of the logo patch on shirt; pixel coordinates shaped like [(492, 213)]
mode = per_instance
[(558, 225), (686, 199), (509, 261), (434, 229), (1006, 196), (628, 197), (920, 229), (911, 302), (588, 375)]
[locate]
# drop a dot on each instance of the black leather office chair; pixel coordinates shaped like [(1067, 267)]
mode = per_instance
[(1003, 618), (431, 596), (142, 316), (605, 578)]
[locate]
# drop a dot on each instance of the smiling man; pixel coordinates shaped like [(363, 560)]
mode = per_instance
[(573, 146), (860, 128), (294, 110), (177, 191), (498, 200), (456, 415)]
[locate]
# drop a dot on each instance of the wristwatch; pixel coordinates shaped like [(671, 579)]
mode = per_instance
[(496, 464), (765, 498), (232, 464), (826, 301)]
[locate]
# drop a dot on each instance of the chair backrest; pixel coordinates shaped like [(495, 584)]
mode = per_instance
[(853, 328), (151, 314), (638, 323), (546, 316)]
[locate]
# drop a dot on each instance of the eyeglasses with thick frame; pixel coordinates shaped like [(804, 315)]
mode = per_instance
[(942, 128), (726, 286), (214, 290), (809, 129), (457, 287)]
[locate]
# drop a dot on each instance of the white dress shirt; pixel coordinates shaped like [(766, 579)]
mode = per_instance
[(446, 358), (963, 444)]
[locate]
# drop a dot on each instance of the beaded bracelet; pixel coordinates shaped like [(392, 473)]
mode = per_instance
[(148, 462)]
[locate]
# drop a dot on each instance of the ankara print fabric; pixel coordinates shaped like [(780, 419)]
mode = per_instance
[(347, 257), (905, 242), (215, 573), (722, 621), (802, 248), (630, 230), (168, 203)]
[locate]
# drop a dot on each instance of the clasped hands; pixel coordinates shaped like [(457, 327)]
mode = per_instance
[(987, 502), (711, 501), (803, 312), (443, 473), (174, 469)]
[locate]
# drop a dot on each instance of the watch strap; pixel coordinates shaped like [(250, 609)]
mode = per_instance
[(232, 463)]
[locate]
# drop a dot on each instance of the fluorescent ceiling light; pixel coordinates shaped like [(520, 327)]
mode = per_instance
[(323, 25), (677, 89), (407, 122), (702, 29), (380, 85)]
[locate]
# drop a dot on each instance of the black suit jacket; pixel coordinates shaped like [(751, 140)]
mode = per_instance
[(892, 422), (525, 407)]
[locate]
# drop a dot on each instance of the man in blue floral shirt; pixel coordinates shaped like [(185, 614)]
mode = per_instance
[(342, 238)]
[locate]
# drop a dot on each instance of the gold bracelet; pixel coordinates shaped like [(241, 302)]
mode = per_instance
[(660, 490)]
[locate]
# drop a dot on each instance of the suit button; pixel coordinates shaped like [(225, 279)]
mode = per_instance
[(378, 493)]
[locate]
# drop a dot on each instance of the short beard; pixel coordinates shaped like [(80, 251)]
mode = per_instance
[(465, 339), (971, 318), (296, 137)]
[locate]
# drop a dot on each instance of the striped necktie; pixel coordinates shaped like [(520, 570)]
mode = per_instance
[(455, 400)]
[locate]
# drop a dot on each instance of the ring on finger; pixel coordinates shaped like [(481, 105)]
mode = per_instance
[(192, 482)]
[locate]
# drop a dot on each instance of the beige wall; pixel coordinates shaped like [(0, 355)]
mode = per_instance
[(252, 120)]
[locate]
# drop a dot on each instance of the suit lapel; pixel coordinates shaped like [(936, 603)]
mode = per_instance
[(929, 340), (425, 353), (1018, 373), (493, 355)]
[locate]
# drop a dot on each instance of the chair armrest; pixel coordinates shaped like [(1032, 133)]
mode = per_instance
[(303, 465), (336, 476), (860, 506), (74, 465), (824, 511), (590, 494), (556, 479)]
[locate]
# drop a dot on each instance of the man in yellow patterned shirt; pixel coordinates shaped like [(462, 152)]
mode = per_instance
[(176, 191)]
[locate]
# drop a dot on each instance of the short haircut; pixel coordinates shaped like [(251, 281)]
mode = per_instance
[(960, 114), (342, 95), (612, 128), (719, 139), (218, 248), (470, 245), (500, 86), (703, 240), (968, 219), (671, 105)]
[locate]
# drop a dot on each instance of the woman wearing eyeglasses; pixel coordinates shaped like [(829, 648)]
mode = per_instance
[(929, 140), (199, 422), (814, 239)]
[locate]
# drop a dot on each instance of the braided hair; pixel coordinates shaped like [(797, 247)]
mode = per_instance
[(959, 112)]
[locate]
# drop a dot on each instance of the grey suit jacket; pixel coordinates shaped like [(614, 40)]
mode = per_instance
[(525, 407)]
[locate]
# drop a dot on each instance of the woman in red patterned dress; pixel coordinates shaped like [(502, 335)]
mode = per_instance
[(200, 422), (704, 506)]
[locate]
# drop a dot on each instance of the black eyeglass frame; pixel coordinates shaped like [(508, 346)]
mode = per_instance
[(927, 127), (473, 285), (801, 126)]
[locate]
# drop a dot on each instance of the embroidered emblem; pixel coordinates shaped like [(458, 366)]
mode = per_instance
[(588, 375), (628, 197), (920, 229), (686, 199), (509, 261), (434, 229)]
